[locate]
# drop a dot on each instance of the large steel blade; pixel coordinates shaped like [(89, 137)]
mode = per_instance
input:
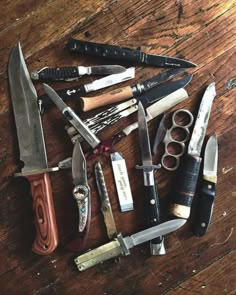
[(27, 116)]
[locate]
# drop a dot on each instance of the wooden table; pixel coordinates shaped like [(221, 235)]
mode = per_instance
[(200, 31)]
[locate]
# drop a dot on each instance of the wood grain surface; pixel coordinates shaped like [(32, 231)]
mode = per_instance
[(203, 32)]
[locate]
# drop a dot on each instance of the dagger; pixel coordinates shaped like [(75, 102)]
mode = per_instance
[(189, 170), (151, 195), (117, 95), (208, 190), (105, 202), (120, 246), (44, 101), (126, 54), (32, 151), (73, 73)]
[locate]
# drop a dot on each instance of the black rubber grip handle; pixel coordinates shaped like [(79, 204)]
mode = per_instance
[(56, 74), (45, 101), (152, 208), (204, 208), (104, 50), (186, 183)]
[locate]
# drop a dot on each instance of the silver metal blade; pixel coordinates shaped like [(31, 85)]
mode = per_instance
[(211, 157), (161, 132), (55, 97), (27, 116), (153, 232), (144, 137), (79, 170), (199, 131), (107, 69)]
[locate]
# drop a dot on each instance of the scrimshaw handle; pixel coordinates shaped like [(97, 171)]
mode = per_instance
[(45, 222), (90, 103)]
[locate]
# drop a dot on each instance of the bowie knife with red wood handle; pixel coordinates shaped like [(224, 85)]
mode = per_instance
[(32, 151)]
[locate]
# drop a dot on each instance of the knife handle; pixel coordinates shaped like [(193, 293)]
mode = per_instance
[(204, 208), (56, 74), (45, 222), (104, 50), (186, 186)]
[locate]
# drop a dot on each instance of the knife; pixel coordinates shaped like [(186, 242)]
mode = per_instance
[(151, 194), (32, 151), (117, 95), (190, 166), (44, 101), (126, 54), (208, 189), (105, 202), (71, 116), (120, 246), (154, 110), (73, 73)]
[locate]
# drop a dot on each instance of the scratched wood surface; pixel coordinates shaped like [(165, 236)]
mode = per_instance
[(203, 32)]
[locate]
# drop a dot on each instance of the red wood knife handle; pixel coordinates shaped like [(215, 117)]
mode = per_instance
[(45, 222)]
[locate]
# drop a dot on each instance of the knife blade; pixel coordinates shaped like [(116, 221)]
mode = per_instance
[(44, 100), (105, 202), (71, 116), (126, 54), (117, 95), (150, 189), (73, 73), (32, 151), (208, 188), (190, 166), (120, 246)]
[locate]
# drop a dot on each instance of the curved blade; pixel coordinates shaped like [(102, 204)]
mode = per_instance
[(211, 157), (79, 170), (27, 116)]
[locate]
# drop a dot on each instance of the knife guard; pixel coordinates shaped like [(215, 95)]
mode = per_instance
[(45, 221), (204, 208), (90, 103), (57, 74), (104, 50), (186, 186)]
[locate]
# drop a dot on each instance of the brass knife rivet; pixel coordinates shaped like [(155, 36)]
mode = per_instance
[(40, 220)]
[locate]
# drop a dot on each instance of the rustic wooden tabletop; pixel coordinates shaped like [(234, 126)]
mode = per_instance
[(199, 31)]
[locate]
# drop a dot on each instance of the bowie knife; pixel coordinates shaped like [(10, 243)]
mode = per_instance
[(126, 54), (44, 101), (71, 116), (73, 73), (120, 246), (32, 151), (151, 195), (89, 103), (208, 188), (105, 202), (190, 166)]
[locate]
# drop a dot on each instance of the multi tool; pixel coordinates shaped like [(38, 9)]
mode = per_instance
[(207, 192), (190, 166), (174, 138), (73, 73), (126, 54), (32, 151)]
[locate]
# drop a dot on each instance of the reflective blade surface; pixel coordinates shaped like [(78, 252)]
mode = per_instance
[(79, 171), (211, 157), (26, 113)]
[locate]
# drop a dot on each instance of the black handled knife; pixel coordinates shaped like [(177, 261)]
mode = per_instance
[(150, 190), (208, 190), (126, 54), (73, 73)]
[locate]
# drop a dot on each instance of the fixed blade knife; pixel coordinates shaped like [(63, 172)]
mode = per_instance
[(126, 54), (208, 188), (44, 100), (117, 95), (120, 246), (32, 151), (73, 73), (190, 165)]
